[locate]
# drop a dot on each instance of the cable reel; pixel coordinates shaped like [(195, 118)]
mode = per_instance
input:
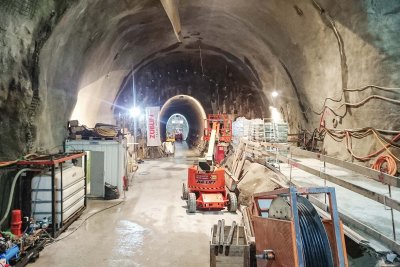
[(316, 247)]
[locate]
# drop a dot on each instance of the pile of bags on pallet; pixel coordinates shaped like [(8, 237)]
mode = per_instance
[(240, 129), (101, 130)]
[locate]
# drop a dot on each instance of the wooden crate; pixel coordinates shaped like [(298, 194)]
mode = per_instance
[(238, 253)]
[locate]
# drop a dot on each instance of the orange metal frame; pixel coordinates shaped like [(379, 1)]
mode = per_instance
[(224, 133), (51, 159), (200, 183), (255, 215)]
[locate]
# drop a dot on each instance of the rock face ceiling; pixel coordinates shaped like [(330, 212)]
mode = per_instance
[(74, 58)]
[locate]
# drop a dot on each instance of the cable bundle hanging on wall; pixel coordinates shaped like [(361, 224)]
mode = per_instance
[(391, 166), (384, 163)]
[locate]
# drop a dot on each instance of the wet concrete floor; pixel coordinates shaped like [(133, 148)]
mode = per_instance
[(149, 228)]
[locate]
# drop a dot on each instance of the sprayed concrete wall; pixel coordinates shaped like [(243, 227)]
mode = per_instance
[(72, 57)]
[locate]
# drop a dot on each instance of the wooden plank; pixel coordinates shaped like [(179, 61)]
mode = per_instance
[(351, 222), (368, 172), (385, 200), (390, 243), (248, 227), (230, 181), (239, 168)]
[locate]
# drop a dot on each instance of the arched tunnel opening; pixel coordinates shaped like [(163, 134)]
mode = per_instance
[(177, 128), (326, 70), (191, 109)]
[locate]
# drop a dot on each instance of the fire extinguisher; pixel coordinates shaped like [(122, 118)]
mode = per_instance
[(126, 183)]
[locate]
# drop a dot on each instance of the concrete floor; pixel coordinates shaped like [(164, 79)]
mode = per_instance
[(149, 228)]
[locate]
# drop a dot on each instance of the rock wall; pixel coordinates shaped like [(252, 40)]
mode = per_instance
[(219, 85), (72, 57), (23, 32)]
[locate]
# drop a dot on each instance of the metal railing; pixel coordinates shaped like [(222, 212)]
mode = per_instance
[(285, 153)]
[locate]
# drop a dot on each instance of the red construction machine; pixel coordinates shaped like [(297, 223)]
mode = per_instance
[(206, 181), (223, 132)]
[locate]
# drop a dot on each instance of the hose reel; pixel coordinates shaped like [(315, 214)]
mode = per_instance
[(314, 239)]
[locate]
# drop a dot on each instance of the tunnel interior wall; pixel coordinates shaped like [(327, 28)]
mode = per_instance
[(307, 50)]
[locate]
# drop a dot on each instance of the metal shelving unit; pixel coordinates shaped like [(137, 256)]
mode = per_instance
[(52, 162)]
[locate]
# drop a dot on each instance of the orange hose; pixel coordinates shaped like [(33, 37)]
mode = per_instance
[(391, 168), (349, 147)]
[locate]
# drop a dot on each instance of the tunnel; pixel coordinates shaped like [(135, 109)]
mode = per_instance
[(327, 69), (177, 124), (232, 54), (191, 109)]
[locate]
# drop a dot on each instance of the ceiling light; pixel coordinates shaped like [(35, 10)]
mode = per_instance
[(134, 112)]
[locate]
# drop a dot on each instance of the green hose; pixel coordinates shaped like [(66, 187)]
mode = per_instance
[(12, 193)]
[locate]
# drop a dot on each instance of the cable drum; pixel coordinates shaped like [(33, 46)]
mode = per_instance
[(314, 239), (316, 248)]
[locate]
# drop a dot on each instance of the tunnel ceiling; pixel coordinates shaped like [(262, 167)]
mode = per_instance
[(222, 83), (306, 50)]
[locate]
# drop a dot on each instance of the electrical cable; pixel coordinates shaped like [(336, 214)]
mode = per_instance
[(386, 147), (391, 168), (13, 162), (348, 104), (371, 86), (368, 157), (347, 135)]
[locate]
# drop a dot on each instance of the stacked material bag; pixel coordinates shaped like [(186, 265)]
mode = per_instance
[(240, 129), (259, 130)]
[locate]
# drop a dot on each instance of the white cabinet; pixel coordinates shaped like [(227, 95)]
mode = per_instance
[(113, 164)]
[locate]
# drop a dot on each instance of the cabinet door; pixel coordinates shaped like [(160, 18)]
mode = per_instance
[(96, 179)]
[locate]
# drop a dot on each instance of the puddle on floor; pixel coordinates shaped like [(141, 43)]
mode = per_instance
[(130, 238)]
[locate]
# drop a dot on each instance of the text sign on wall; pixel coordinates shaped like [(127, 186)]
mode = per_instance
[(153, 126)]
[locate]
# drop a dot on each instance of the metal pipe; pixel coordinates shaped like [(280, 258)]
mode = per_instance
[(61, 194), (217, 236), (222, 233), (85, 173), (222, 236), (391, 211), (53, 202), (229, 239)]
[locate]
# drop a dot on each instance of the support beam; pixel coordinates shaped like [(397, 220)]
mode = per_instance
[(171, 8)]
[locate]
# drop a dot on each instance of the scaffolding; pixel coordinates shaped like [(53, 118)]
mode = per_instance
[(23, 7)]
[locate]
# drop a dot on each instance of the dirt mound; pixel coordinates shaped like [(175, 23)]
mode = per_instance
[(255, 179)]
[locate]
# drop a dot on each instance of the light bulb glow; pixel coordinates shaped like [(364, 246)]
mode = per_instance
[(134, 112)]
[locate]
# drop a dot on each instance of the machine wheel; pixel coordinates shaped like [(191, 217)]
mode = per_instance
[(191, 203), (232, 205), (185, 192)]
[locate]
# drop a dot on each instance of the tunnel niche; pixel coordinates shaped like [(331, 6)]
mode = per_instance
[(188, 107), (177, 124)]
